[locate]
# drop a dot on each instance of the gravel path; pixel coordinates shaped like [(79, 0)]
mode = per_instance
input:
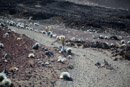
[(85, 73)]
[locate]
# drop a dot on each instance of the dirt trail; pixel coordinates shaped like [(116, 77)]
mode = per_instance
[(85, 73)]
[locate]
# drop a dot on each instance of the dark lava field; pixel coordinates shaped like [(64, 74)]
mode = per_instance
[(73, 15)]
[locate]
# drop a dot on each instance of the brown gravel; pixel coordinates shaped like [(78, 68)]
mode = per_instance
[(31, 72)]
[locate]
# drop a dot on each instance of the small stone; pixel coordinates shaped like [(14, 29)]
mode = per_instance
[(13, 69), (61, 59), (5, 61), (128, 42), (6, 35), (6, 82), (36, 46), (66, 76), (69, 56), (7, 56), (19, 38), (122, 41), (69, 51), (47, 63), (70, 67), (31, 55), (1, 45)]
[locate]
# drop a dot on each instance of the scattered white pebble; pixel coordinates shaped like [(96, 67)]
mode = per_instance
[(5, 61), (61, 59), (13, 69), (128, 42), (101, 36), (31, 55), (6, 82), (112, 44), (36, 24), (68, 50), (6, 35), (2, 74), (120, 37), (64, 74), (106, 37), (19, 38), (122, 41), (54, 35), (1, 45), (123, 45), (69, 56), (47, 63)]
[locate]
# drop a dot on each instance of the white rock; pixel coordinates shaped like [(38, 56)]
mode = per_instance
[(101, 36), (13, 69), (43, 32), (69, 56), (31, 55), (27, 28), (2, 74), (128, 42), (79, 39), (123, 45), (31, 29), (36, 24), (47, 63), (112, 44), (68, 50), (21, 25), (122, 41), (120, 37), (13, 30), (106, 37), (19, 38), (30, 18), (16, 69), (63, 74), (88, 30), (36, 30), (51, 33), (6, 35), (54, 35), (61, 59), (11, 22), (60, 51), (36, 46), (6, 82), (1, 45), (107, 43), (5, 61)]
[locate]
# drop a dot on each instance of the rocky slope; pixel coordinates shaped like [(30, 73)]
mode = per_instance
[(81, 16), (75, 15), (23, 70)]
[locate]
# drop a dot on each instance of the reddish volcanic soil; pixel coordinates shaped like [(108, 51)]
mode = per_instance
[(31, 71)]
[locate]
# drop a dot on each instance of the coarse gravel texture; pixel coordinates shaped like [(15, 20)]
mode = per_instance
[(85, 73)]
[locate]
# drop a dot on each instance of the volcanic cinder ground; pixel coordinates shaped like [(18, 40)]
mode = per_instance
[(79, 21)]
